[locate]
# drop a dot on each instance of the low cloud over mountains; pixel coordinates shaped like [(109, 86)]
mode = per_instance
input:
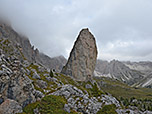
[(122, 28)]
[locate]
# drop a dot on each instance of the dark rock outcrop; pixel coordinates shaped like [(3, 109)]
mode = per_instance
[(82, 60)]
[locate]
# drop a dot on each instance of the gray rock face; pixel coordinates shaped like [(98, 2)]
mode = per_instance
[(36, 76), (14, 84), (82, 60), (88, 86), (42, 84)]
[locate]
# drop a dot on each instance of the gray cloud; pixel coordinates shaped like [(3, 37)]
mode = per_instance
[(122, 27)]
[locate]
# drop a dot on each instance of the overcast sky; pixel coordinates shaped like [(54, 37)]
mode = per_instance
[(122, 28)]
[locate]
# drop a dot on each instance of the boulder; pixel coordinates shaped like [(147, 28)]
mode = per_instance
[(88, 86), (82, 60), (10, 107), (41, 84), (35, 75)]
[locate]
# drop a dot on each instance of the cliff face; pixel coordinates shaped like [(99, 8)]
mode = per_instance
[(82, 60)]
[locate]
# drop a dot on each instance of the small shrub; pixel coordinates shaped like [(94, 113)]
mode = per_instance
[(95, 91), (51, 73)]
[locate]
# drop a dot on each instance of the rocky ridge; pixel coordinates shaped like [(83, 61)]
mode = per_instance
[(132, 73), (29, 52), (146, 69)]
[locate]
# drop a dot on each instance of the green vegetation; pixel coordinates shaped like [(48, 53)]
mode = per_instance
[(30, 108), (52, 105), (48, 105), (51, 73), (67, 79), (139, 97), (50, 84), (6, 42), (95, 91), (119, 89), (108, 109), (142, 104)]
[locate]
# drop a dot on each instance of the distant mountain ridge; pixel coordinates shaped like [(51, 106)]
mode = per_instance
[(132, 73), (146, 69), (53, 63)]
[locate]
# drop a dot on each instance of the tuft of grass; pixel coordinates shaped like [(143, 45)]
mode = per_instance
[(30, 108), (95, 91), (52, 105), (48, 105), (66, 79)]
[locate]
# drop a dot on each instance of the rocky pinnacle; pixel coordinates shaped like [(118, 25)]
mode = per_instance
[(82, 60)]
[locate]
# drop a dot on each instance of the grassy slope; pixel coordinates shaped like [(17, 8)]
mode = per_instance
[(127, 94), (114, 87), (48, 105), (119, 89)]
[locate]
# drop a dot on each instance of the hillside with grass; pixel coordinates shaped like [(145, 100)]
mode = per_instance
[(127, 95)]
